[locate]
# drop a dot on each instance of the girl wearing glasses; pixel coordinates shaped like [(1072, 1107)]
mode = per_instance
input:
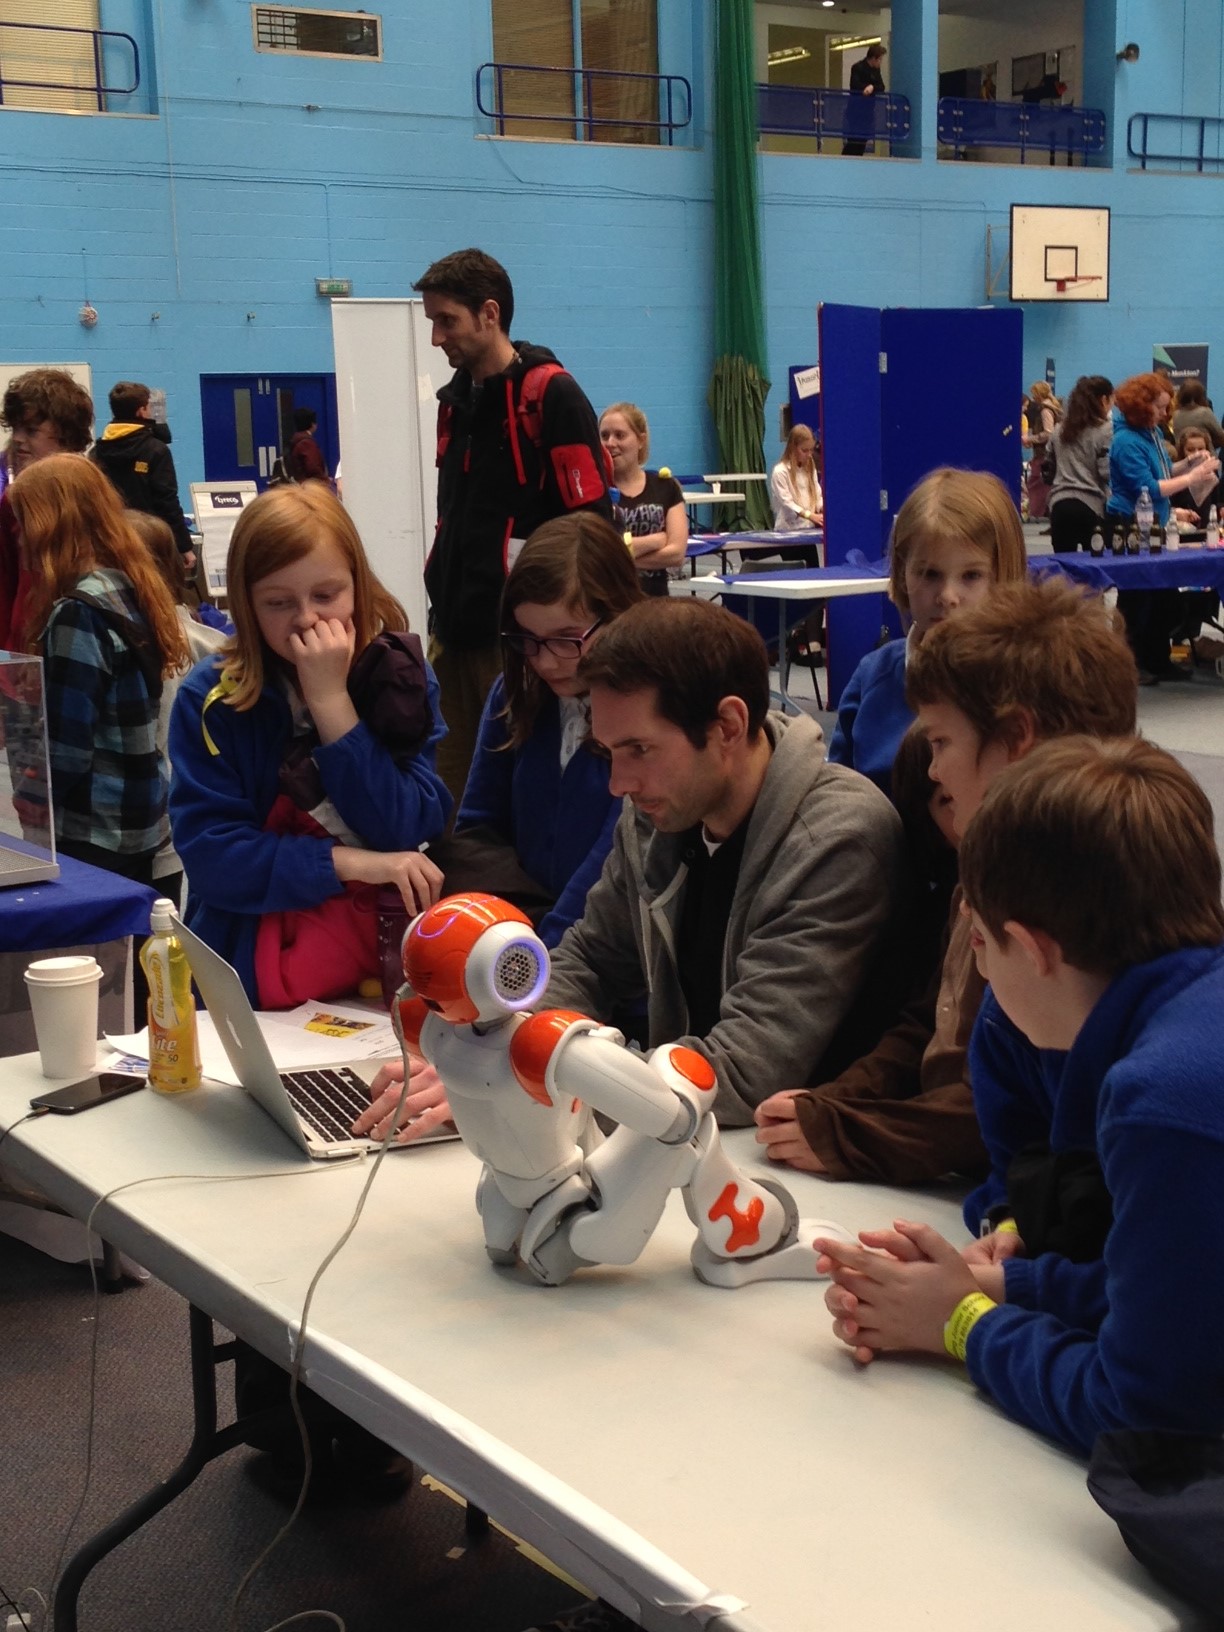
[(536, 785)]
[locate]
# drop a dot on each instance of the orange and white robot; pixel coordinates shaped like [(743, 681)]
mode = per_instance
[(522, 1087)]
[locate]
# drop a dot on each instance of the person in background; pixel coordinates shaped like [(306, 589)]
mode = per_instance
[(47, 412), (1193, 442), (304, 456), (139, 465), (518, 444), (303, 757), (202, 639), (1080, 444), (650, 507), (1193, 410), (1044, 413), (794, 485), (99, 614), (537, 784), (1139, 459), (956, 535), (866, 80)]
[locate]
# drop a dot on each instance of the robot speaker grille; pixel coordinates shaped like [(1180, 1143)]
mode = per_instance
[(516, 973)]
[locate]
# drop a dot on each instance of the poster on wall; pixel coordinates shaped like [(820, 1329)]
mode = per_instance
[(1181, 363)]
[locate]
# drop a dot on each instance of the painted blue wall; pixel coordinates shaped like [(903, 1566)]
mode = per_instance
[(261, 173)]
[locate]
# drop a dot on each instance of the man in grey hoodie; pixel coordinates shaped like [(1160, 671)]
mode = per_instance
[(751, 883), (752, 887)]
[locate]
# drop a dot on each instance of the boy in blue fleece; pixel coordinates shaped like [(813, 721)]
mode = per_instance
[(1094, 886)]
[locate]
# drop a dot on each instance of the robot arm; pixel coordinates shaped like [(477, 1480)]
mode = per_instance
[(557, 1055)]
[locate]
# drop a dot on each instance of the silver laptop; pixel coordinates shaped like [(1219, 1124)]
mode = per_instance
[(316, 1106)]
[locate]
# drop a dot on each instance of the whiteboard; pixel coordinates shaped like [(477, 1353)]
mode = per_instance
[(387, 379)]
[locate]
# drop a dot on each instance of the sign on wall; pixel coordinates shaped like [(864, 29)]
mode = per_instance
[(1181, 363)]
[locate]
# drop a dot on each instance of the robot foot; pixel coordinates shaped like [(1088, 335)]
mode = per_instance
[(794, 1262)]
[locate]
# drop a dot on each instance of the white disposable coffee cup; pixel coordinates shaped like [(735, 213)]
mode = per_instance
[(64, 999)]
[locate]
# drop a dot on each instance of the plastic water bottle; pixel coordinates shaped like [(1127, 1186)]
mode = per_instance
[(174, 1044), (1172, 532), (1213, 528), (1143, 517), (1097, 543)]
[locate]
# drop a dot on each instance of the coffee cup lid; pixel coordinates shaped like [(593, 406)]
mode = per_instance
[(49, 971)]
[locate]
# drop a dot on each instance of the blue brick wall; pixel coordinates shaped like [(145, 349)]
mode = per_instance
[(261, 173)]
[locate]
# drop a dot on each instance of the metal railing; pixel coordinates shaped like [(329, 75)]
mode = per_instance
[(829, 115), (99, 88), (1029, 126), (592, 102), (1198, 127)]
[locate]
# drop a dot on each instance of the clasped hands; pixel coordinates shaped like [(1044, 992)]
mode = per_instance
[(896, 1289)]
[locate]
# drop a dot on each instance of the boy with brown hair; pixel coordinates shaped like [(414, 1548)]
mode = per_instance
[(1093, 884), (1033, 662)]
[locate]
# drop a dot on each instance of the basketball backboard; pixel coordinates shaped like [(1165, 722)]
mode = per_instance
[(1059, 253)]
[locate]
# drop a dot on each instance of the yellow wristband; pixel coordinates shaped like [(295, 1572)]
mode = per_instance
[(963, 1319), (1007, 1226)]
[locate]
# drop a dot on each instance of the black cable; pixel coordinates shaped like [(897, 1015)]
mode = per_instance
[(40, 1110), (12, 1602)]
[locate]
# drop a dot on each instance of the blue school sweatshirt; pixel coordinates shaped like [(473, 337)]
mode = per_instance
[(560, 823), (1135, 1340), (873, 715), (219, 803)]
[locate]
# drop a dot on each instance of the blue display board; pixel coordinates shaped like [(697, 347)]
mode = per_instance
[(903, 392)]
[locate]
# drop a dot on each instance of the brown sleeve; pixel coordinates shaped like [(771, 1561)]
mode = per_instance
[(894, 1141)]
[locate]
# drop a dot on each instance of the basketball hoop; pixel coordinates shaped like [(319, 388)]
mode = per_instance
[(1061, 283)]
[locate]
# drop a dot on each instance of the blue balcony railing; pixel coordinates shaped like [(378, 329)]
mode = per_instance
[(1029, 126), (829, 115), (97, 87), (1184, 139), (584, 101)]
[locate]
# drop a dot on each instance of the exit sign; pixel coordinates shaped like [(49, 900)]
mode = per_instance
[(335, 287)]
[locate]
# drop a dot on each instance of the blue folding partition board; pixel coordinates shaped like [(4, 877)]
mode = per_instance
[(888, 418)]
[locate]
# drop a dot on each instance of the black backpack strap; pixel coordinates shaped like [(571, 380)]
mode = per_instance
[(135, 637)]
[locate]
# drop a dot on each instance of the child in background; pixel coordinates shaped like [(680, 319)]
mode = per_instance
[(1036, 660), (535, 781), (98, 613), (651, 506), (1094, 887), (202, 639), (794, 485), (956, 535), (303, 756)]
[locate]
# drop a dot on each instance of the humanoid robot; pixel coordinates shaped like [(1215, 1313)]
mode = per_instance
[(522, 1088)]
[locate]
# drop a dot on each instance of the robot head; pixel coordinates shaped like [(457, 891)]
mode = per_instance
[(474, 958)]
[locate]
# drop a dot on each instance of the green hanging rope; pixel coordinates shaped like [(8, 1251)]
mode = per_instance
[(738, 385)]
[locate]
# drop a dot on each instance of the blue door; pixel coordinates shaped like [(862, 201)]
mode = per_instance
[(248, 421)]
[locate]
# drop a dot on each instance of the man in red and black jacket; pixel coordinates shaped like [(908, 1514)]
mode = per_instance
[(518, 443)]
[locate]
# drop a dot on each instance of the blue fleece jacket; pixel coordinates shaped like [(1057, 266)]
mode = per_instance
[(1137, 459), (560, 823), (220, 801), (1135, 1340), (873, 715)]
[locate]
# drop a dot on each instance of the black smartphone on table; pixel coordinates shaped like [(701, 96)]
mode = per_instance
[(90, 1091)]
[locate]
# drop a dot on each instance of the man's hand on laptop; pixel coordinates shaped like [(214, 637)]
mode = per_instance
[(424, 1107)]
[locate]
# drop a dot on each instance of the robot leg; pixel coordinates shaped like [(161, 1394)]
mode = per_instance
[(747, 1229), (503, 1222)]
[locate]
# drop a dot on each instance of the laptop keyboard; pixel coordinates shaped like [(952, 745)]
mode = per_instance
[(329, 1100)]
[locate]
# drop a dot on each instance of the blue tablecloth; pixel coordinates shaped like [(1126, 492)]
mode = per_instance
[(1180, 569), (82, 907)]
